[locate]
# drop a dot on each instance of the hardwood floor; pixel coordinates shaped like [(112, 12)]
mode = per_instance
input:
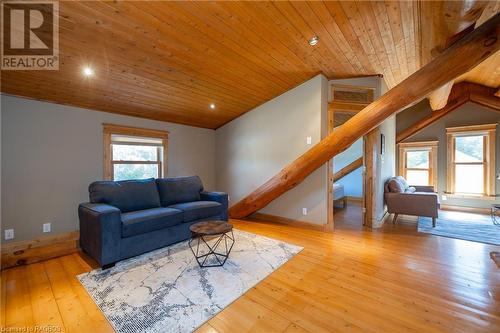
[(355, 280)]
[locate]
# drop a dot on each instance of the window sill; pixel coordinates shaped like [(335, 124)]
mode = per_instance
[(471, 196)]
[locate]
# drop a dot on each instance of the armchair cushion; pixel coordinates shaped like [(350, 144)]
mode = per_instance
[(395, 186), (411, 189), (424, 188), (179, 189), (143, 221), (126, 195), (402, 181), (198, 209), (418, 203)]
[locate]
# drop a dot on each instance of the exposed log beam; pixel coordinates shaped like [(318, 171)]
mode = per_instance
[(461, 93), (484, 96), (348, 169), (439, 97), (459, 96), (444, 22), (460, 20), (453, 62)]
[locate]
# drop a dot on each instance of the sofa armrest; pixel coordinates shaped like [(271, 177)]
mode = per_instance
[(420, 204), (100, 231), (423, 188), (220, 197)]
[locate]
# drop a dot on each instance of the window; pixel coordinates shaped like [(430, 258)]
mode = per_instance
[(134, 153), (471, 160), (418, 162)]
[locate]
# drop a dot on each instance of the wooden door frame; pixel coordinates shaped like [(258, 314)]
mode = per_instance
[(345, 107), (331, 207), (370, 162)]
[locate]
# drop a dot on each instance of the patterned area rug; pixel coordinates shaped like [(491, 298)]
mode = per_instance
[(166, 291), (472, 227)]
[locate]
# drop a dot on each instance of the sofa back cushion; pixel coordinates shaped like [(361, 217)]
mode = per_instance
[(126, 195), (179, 189)]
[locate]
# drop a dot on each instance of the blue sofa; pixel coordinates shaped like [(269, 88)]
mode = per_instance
[(127, 218)]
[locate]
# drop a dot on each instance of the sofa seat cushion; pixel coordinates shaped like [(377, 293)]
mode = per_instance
[(198, 209), (142, 221)]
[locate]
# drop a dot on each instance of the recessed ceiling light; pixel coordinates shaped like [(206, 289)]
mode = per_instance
[(314, 40), (212, 106), (87, 71)]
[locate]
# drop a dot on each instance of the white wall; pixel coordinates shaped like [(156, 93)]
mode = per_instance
[(51, 153), (256, 146)]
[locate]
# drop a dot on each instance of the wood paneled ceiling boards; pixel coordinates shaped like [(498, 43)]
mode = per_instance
[(171, 60)]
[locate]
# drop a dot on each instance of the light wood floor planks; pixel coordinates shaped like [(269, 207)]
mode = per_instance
[(356, 280)]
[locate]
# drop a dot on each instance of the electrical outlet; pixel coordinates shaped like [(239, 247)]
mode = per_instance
[(46, 227), (304, 211), (309, 140), (9, 234), (444, 197)]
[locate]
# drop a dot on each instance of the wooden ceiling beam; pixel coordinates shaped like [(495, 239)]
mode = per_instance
[(459, 96), (439, 97), (485, 96), (453, 62), (461, 93)]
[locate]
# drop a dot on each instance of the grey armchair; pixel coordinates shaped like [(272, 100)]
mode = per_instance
[(410, 200)]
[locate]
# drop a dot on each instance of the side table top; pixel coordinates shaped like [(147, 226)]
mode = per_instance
[(211, 227)]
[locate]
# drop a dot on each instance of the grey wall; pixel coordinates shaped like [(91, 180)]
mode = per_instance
[(468, 114), (51, 153), (387, 163), (256, 146)]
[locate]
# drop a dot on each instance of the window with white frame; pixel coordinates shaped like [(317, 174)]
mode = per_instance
[(471, 160), (134, 153), (418, 162)]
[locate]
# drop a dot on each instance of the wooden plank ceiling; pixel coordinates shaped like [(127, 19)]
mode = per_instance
[(170, 60)]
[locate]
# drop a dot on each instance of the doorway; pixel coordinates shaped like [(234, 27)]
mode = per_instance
[(346, 171)]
